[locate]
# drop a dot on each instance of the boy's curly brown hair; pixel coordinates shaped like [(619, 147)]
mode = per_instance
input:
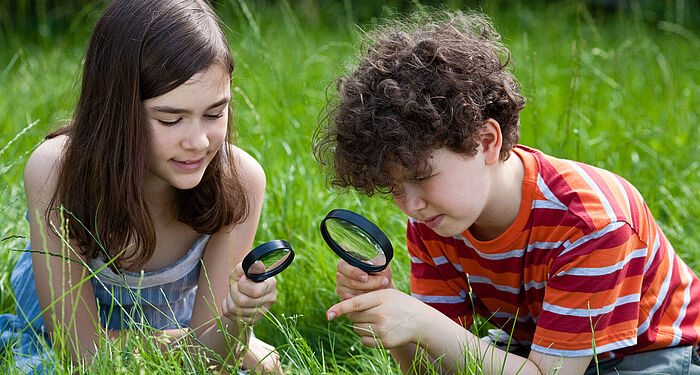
[(423, 84)]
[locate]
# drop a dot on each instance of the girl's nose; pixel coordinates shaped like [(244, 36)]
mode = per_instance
[(196, 138)]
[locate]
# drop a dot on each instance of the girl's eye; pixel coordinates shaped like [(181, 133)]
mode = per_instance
[(215, 116), (169, 123), (423, 179)]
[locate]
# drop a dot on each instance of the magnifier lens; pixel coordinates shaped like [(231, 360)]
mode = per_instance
[(356, 242), (267, 260)]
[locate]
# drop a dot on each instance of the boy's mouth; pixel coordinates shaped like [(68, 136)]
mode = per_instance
[(434, 221)]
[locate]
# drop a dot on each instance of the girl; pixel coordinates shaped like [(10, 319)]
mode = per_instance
[(152, 195)]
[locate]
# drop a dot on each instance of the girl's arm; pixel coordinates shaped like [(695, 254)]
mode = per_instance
[(224, 252), (61, 281)]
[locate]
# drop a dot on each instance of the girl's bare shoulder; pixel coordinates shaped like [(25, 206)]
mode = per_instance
[(44, 164), (250, 169)]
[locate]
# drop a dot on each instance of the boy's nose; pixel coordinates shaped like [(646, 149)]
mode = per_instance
[(410, 201)]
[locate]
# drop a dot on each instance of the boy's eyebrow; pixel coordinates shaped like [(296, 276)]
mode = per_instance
[(173, 110)]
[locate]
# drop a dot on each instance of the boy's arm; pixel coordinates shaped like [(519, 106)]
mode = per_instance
[(396, 321)]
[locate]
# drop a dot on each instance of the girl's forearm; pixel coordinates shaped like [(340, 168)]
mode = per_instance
[(217, 344), (225, 341)]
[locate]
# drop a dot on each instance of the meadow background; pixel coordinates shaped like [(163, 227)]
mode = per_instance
[(611, 83)]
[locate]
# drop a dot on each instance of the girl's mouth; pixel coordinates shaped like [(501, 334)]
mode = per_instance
[(188, 165)]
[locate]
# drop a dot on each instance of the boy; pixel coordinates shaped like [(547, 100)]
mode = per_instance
[(565, 256)]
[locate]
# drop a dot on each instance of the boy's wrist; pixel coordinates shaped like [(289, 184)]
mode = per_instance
[(437, 329)]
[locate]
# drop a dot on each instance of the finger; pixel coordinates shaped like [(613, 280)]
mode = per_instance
[(364, 329), (246, 314), (236, 274), (243, 301), (269, 363), (372, 282), (359, 303), (362, 316), (244, 307), (257, 268), (344, 293), (352, 272), (273, 365), (372, 342), (252, 289)]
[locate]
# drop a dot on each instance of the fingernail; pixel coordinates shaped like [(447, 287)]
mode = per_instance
[(331, 315), (385, 282), (363, 278)]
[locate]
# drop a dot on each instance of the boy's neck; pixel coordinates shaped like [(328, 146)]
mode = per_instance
[(504, 200)]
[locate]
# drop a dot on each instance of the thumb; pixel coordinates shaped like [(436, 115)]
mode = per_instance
[(235, 274)]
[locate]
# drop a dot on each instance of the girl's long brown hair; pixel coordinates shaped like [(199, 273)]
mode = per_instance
[(140, 50)]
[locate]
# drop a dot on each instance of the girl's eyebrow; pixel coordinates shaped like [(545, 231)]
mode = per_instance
[(168, 109)]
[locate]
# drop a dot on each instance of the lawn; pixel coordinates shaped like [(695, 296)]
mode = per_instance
[(613, 87)]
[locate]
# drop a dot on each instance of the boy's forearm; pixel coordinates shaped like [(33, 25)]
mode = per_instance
[(448, 348), (412, 359)]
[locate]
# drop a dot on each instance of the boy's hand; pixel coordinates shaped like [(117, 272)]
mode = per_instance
[(386, 318), (261, 358), (247, 299), (352, 281)]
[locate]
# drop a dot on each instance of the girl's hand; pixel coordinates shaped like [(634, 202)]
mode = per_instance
[(261, 358), (352, 281), (386, 318), (247, 300)]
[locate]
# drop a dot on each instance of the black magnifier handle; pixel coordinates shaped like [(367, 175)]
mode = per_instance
[(268, 260)]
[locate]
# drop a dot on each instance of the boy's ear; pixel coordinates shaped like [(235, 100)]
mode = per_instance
[(491, 139)]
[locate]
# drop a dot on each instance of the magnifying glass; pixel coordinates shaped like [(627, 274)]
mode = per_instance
[(268, 260), (357, 240)]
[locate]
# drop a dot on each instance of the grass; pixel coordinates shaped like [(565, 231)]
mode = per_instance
[(614, 88)]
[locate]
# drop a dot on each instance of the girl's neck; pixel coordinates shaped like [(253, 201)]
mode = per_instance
[(161, 199)]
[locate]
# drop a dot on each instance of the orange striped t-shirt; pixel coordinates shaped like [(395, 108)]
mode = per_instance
[(583, 258)]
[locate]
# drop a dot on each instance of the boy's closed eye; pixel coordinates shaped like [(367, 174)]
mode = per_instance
[(423, 178)]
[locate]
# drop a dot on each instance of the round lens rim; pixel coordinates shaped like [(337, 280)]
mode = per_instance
[(260, 251), (369, 227)]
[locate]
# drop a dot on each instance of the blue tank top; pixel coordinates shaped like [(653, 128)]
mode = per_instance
[(161, 299)]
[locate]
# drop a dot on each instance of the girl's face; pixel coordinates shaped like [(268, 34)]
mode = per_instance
[(188, 126)]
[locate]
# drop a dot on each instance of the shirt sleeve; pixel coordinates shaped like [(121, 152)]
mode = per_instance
[(593, 293), (434, 281)]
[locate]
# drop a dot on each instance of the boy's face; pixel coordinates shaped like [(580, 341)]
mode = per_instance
[(451, 198)]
